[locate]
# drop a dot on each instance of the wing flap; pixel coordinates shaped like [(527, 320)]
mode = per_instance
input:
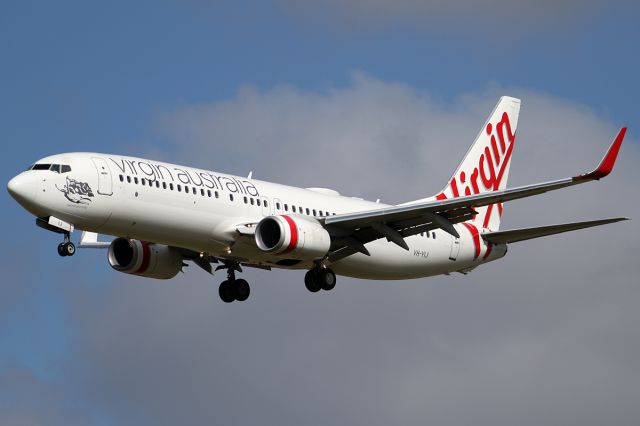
[(515, 235)]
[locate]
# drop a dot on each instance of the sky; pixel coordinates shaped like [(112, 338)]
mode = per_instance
[(375, 99)]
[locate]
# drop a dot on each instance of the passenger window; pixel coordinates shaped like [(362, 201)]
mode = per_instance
[(278, 206), (293, 209), (179, 187), (164, 185), (121, 178), (157, 184), (194, 191), (171, 186), (314, 212), (216, 194), (209, 193), (231, 197), (246, 201), (286, 208), (202, 192), (307, 210), (266, 204), (258, 201), (142, 181), (135, 180), (252, 202)]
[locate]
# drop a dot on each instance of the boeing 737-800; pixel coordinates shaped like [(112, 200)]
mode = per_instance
[(164, 214)]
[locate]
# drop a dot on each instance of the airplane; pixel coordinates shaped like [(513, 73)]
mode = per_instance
[(162, 215)]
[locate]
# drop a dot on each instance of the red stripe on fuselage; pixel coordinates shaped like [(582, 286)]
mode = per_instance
[(489, 247), (476, 238)]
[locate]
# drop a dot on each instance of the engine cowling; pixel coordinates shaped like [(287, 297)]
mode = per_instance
[(145, 259), (296, 237)]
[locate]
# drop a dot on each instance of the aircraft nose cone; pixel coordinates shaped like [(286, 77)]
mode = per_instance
[(22, 189)]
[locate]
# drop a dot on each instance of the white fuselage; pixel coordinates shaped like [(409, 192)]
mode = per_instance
[(201, 211)]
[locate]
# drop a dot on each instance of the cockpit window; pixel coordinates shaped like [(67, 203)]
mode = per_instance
[(58, 168)]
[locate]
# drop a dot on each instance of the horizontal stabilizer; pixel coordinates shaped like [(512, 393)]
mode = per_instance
[(515, 235)]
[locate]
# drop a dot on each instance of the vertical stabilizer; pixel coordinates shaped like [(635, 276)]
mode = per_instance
[(485, 167)]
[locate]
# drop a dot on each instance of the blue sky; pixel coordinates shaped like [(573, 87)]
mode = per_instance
[(108, 76)]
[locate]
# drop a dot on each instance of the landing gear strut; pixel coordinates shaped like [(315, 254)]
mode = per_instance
[(233, 289), (318, 278), (66, 248)]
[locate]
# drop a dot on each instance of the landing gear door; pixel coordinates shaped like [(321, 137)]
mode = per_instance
[(105, 185)]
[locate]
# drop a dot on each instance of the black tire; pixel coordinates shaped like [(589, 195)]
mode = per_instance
[(311, 282), (69, 249), (326, 278), (61, 250), (242, 290), (226, 292)]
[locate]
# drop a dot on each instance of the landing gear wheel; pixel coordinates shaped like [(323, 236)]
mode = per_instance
[(226, 291), (326, 279), (61, 250), (69, 248), (311, 282), (241, 290)]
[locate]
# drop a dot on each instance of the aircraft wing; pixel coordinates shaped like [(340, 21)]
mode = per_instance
[(352, 230)]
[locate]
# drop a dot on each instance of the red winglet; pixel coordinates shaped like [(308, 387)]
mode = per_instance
[(609, 159)]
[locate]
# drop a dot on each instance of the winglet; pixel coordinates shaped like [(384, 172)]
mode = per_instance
[(609, 159)]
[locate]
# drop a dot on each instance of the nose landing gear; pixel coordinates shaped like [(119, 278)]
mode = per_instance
[(66, 248), (233, 289)]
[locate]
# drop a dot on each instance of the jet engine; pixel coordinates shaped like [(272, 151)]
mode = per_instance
[(144, 258), (296, 237)]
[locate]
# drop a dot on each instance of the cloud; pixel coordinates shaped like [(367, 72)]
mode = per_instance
[(495, 18), (546, 335)]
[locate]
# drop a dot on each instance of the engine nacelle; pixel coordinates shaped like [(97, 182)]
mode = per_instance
[(296, 237), (144, 259)]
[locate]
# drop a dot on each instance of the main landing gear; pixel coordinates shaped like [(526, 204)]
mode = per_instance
[(233, 289), (66, 248), (319, 278)]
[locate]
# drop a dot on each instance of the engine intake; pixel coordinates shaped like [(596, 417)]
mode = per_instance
[(296, 236), (145, 259)]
